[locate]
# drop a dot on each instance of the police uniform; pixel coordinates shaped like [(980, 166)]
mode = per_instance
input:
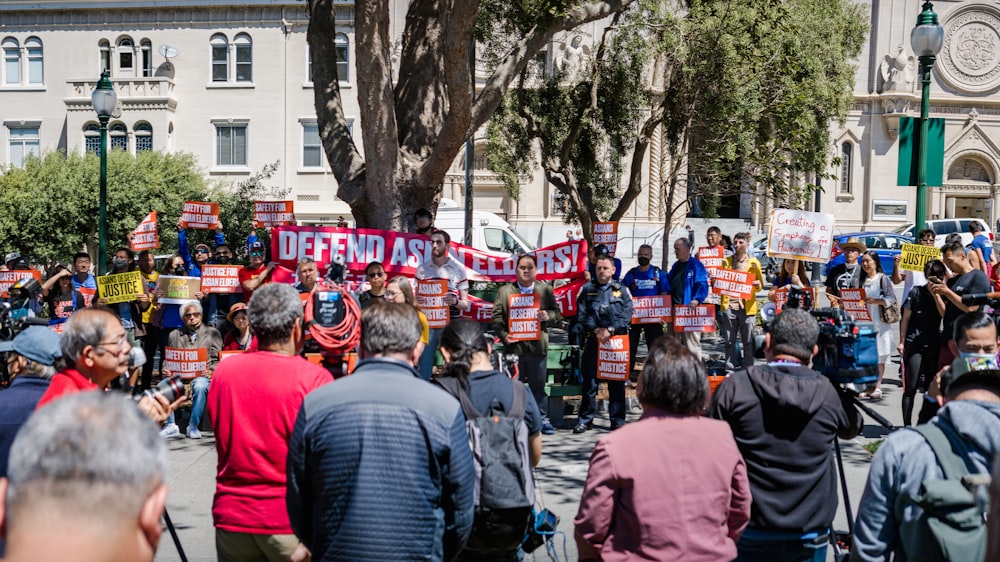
[(601, 306)]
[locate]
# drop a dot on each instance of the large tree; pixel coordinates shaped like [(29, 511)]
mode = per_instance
[(415, 125)]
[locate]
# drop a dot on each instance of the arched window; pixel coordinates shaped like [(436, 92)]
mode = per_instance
[(126, 57), (117, 137), (36, 60), (244, 58), (147, 57), (220, 58), (846, 161), (11, 61), (104, 50), (343, 58), (92, 138), (143, 137)]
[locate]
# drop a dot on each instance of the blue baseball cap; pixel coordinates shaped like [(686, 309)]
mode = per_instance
[(39, 344)]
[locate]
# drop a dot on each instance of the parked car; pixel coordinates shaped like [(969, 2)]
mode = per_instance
[(887, 245), (943, 227)]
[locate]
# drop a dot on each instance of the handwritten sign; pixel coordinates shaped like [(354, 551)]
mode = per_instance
[(10, 278), (188, 363), (178, 289), (220, 279), (853, 301), (273, 213), (120, 287), (916, 256), (781, 296), (430, 299), (651, 310), (606, 233), (145, 236), (699, 318), (800, 235), (612, 359), (712, 258), (522, 318), (733, 283), (200, 214)]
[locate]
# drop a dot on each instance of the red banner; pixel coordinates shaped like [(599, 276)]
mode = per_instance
[(699, 318), (781, 296), (10, 278), (188, 363), (401, 253), (606, 233), (612, 359), (651, 310), (732, 283), (200, 214), (430, 299), (479, 310), (145, 236), (220, 279), (566, 297), (853, 301), (273, 213), (522, 317)]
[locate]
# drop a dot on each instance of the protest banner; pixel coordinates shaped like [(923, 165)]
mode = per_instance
[(145, 236), (712, 258), (120, 287), (273, 213), (188, 363), (916, 256), (612, 359), (699, 318), (220, 279), (178, 289), (200, 214), (401, 253), (522, 317), (853, 301), (800, 235), (479, 310), (430, 299), (732, 283), (651, 310), (566, 297), (606, 233), (10, 278), (781, 296)]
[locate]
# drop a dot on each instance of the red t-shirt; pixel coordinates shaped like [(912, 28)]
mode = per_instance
[(254, 400), (247, 273), (69, 381)]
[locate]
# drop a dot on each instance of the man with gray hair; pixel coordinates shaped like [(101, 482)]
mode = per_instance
[(785, 417), (86, 452), (251, 521), (193, 335), (379, 466)]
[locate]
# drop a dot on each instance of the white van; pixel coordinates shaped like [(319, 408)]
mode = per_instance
[(489, 232)]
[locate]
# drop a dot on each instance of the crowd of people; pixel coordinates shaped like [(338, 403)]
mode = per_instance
[(390, 463)]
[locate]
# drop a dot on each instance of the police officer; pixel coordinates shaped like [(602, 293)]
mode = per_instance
[(604, 309)]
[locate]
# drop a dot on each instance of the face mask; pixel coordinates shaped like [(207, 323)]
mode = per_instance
[(982, 361), (222, 259), (120, 263), (643, 261), (179, 270)]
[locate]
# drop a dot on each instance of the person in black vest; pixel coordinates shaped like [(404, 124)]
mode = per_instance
[(848, 274)]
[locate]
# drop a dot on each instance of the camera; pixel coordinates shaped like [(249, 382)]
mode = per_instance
[(336, 271), (170, 388), (848, 350)]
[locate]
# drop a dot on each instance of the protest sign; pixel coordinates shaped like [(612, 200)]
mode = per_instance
[(916, 256), (699, 318), (200, 214), (178, 289), (10, 278), (522, 317), (145, 236), (612, 359), (229, 353), (479, 310), (430, 299), (853, 301), (651, 310), (401, 253), (606, 233), (188, 363), (801, 235), (732, 283), (220, 279), (781, 296), (566, 297), (712, 258), (120, 287), (273, 213)]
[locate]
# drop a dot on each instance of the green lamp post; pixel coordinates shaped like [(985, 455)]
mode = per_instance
[(104, 101), (926, 40)]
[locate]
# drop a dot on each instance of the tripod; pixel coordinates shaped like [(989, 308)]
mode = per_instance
[(173, 535)]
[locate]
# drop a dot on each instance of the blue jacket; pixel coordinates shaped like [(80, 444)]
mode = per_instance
[(182, 248), (604, 306), (379, 468), (16, 405), (695, 280)]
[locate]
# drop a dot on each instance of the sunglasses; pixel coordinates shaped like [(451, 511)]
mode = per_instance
[(193, 315), (201, 251), (377, 274), (256, 254)]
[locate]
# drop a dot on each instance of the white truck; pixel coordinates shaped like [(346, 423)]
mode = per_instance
[(489, 232)]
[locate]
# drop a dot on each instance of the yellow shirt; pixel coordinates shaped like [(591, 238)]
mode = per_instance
[(753, 266), (150, 280)]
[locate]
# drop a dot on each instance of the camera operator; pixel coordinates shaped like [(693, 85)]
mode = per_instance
[(785, 418), (966, 280), (920, 337)]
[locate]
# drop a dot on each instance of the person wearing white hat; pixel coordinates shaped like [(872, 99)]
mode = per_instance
[(848, 274)]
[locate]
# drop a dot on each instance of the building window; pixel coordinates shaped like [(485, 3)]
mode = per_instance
[(244, 58), (118, 137), (312, 147), (230, 145), (104, 51), (343, 58), (92, 139), (147, 58), (220, 58), (11, 61), (24, 142), (143, 137), (36, 61), (126, 57), (846, 176)]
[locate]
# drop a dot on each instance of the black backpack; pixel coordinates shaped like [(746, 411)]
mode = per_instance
[(504, 491)]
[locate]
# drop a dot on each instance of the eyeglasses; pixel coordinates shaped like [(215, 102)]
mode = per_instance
[(377, 274), (116, 345), (391, 294), (193, 315)]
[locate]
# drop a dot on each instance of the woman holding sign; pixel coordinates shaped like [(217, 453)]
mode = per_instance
[(878, 294)]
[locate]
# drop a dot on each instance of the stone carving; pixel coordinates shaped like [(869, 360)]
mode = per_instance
[(975, 48), (967, 169), (898, 72), (970, 59), (572, 57)]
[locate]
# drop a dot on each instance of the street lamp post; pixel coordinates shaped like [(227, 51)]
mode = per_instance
[(104, 101), (926, 40)]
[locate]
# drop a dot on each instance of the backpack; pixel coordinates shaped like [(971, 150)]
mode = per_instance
[(504, 490), (955, 508)]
